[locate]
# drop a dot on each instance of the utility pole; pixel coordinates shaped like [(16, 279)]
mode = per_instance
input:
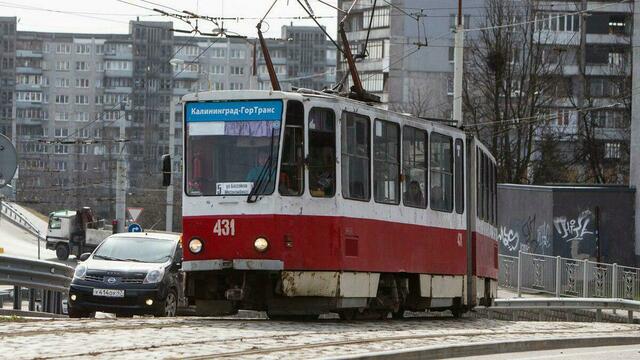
[(458, 68), (121, 171), (14, 140), (172, 141), (634, 150)]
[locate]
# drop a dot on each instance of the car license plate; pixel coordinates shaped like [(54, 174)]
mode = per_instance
[(108, 292)]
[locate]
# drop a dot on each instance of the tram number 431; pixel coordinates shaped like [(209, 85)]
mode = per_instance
[(225, 227)]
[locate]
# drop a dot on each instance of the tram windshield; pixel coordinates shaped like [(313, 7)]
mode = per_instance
[(232, 147)]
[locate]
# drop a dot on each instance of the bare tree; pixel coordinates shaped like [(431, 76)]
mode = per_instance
[(509, 86), (602, 96)]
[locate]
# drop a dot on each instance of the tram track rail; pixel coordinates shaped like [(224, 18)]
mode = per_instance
[(302, 347)]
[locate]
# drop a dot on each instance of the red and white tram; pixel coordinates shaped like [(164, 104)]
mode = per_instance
[(300, 203)]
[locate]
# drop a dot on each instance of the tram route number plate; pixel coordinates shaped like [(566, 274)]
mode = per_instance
[(108, 293)]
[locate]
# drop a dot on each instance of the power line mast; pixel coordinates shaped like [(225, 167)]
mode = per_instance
[(458, 68)]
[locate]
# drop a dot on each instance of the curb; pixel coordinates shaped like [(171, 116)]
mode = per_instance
[(501, 347)]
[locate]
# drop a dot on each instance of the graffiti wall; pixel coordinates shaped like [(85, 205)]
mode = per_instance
[(524, 220), (573, 222)]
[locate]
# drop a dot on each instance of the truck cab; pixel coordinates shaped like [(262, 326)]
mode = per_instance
[(74, 232)]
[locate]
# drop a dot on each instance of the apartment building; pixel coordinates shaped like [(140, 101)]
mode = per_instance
[(409, 51), (71, 93), (590, 43), (302, 58)]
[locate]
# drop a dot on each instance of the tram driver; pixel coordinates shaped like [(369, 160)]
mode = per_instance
[(254, 173)]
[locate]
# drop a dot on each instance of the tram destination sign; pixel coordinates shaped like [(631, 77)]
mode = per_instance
[(265, 110)]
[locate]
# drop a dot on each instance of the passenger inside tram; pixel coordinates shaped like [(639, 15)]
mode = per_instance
[(413, 196)]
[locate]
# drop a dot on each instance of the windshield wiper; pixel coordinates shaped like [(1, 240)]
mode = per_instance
[(266, 172), (107, 258), (134, 260)]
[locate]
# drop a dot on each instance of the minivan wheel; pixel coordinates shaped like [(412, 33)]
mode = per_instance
[(169, 305), (62, 251)]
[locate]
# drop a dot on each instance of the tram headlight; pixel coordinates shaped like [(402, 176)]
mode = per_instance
[(195, 245), (261, 244)]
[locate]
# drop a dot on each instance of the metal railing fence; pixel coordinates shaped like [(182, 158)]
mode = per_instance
[(45, 281), (560, 276)]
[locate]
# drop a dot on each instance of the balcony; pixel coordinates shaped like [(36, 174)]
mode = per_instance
[(118, 56), (608, 39), (118, 73), (28, 104), (118, 89), (28, 70), (36, 54), (186, 75), (28, 87)]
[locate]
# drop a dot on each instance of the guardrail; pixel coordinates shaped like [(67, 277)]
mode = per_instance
[(46, 282), (565, 304), (16, 216), (560, 276)]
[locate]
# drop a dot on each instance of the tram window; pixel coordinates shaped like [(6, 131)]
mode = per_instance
[(479, 187), (356, 157), (495, 194), (322, 152), (414, 167), (441, 163), (459, 176), (292, 165), (485, 162), (386, 162)]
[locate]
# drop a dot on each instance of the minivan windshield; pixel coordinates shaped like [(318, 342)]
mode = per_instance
[(149, 250), (231, 146)]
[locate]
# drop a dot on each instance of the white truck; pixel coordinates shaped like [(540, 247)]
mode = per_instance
[(75, 232)]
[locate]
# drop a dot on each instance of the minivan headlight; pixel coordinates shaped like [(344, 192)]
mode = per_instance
[(154, 276), (81, 271)]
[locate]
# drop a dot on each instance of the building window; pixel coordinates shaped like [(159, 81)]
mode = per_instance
[(62, 116), (82, 99), (375, 49), (236, 86), (380, 18), (386, 162), (612, 151), (217, 69), (62, 66), (237, 54), (83, 49), (441, 164), (61, 132), (82, 66), (356, 155), (218, 53), (237, 70), (82, 83), (62, 99), (373, 82), (63, 49)]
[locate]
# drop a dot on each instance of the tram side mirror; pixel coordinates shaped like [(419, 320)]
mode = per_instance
[(166, 170)]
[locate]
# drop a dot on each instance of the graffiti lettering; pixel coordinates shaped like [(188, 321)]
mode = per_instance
[(509, 238), (573, 229), (544, 238)]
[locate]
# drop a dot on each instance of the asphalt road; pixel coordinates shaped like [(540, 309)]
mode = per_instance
[(628, 352)]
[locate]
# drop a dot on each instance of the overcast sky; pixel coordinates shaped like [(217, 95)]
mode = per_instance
[(112, 16)]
